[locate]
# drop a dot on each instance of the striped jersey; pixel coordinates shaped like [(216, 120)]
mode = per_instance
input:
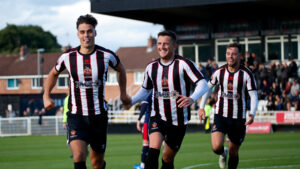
[(233, 91), (167, 81), (87, 74)]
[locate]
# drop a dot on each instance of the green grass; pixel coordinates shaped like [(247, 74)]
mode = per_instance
[(277, 150)]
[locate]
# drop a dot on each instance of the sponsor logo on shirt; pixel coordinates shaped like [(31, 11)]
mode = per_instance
[(166, 94), (230, 95), (87, 84)]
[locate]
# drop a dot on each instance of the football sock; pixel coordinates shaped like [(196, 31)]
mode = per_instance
[(152, 159), (144, 153), (233, 162), (167, 165), (80, 165), (104, 164)]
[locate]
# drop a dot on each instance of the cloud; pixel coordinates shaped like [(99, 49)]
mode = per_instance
[(59, 17)]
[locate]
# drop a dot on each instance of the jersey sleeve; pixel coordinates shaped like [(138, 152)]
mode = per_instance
[(113, 60), (192, 71), (214, 78), (250, 82), (147, 84), (60, 64)]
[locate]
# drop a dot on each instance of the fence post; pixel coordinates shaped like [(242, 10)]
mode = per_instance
[(29, 132)]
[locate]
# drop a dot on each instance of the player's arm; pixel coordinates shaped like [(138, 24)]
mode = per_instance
[(253, 106), (201, 88), (144, 106), (126, 100), (140, 95), (203, 101), (50, 83)]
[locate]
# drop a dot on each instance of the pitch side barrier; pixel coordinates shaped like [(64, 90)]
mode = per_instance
[(125, 122)]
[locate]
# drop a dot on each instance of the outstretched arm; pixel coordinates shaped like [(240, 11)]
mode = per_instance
[(201, 111), (253, 107), (50, 83), (126, 100), (201, 88)]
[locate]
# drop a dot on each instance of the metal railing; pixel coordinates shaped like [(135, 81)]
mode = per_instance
[(52, 125)]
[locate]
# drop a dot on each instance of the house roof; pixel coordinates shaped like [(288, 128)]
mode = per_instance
[(136, 58), (13, 66), (133, 58)]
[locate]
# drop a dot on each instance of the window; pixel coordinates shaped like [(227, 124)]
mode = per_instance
[(112, 78), (37, 83), (12, 84), (189, 52), (62, 82), (138, 78), (204, 53)]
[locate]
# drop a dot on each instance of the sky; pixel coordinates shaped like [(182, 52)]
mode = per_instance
[(59, 17)]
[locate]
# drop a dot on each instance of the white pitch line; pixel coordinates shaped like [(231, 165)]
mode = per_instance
[(207, 164), (276, 166), (197, 165)]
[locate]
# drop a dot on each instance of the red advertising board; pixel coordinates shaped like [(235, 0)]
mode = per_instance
[(259, 127), (288, 117)]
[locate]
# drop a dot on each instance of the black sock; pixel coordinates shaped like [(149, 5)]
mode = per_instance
[(104, 164), (167, 165), (144, 153), (233, 162), (220, 151), (80, 165), (152, 159)]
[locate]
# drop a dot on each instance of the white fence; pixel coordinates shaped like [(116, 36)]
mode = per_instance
[(52, 125)]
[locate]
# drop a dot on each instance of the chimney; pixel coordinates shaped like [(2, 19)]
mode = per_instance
[(151, 44), (23, 52)]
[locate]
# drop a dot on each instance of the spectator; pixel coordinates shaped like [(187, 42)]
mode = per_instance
[(295, 87), (295, 99), (275, 89), (292, 69), (288, 87), (270, 103), (265, 89), (284, 75), (263, 73), (286, 101), (278, 103), (27, 112)]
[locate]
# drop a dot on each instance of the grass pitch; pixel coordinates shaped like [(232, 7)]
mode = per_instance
[(276, 150)]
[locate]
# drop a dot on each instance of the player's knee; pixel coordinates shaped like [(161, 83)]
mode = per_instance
[(168, 158), (218, 150), (79, 156), (167, 165)]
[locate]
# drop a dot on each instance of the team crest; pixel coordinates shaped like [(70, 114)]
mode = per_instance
[(87, 71), (230, 86), (73, 133), (165, 82), (154, 124)]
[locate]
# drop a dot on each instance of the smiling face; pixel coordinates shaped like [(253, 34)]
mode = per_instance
[(166, 48), (86, 34), (233, 57)]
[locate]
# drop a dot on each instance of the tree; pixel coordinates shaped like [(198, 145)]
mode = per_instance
[(13, 36)]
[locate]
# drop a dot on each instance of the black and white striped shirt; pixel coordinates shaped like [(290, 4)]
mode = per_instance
[(87, 75), (167, 81), (233, 90)]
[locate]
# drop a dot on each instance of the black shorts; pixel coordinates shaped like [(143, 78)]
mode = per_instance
[(91, 129), (234, 128), (173, 135)]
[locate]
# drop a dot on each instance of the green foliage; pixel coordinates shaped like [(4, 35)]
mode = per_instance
[(13, 36), (277, 150)]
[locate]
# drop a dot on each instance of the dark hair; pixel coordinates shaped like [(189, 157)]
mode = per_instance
[(235, 45), (168, 33), (88, 19)]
